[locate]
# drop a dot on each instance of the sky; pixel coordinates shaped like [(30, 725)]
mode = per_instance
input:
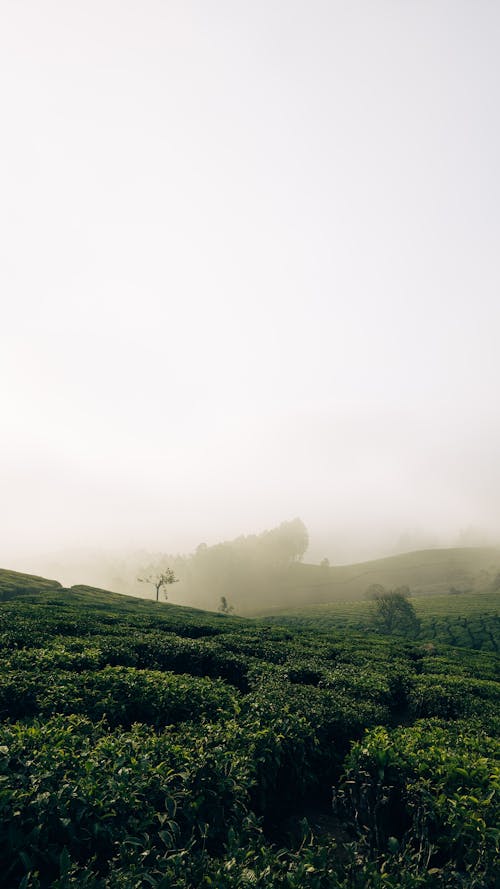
[(249, 270)]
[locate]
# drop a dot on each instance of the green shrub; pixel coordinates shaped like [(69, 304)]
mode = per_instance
[(121, 694), (431, 791)]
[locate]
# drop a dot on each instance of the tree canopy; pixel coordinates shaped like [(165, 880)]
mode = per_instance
[(392, 612), (160, 580)]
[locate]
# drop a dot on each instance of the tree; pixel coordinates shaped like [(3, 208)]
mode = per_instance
[(374, 590), (280, 546), (160, 580), (294, 535), (393, 613), (225, 607)]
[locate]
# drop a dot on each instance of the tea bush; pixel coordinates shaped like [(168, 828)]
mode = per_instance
[(432, 791), (121, 694), (155, 746)]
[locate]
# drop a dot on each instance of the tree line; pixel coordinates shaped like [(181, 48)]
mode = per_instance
[(235, 570)]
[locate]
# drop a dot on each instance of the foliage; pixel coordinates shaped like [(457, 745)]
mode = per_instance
[(469, 621), (246, 569), (225, 607), (393, 613), (13, 584), (160, 580), (431, 793), (165, 747)]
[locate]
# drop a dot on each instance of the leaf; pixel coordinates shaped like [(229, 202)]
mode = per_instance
[(64, 862), (26, 860)]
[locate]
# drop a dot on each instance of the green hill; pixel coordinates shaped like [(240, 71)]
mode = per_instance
[(13, 584), (150, 744), (29, 589), (427, 572), (465, 569), (471, 620)]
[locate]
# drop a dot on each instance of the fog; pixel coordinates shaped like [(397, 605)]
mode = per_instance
[(249, 271)]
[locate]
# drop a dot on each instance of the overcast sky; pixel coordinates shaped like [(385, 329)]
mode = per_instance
[(249, 270)]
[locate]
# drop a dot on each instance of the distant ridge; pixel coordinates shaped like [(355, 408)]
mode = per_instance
[(463, 569), (460, 569)]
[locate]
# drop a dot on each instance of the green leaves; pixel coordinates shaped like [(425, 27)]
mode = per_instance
[(121, 694), (434, 787), (165, 748)]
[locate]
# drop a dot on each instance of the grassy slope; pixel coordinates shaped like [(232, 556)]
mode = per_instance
[(111, 607), (12, 584), (469, 620), (426, 571), (228, 765)]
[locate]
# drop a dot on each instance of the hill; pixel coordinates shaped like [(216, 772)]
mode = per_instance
[(465, 569), (13, 583), (146, 744), (108, 607), (254, 590), (467, 621)]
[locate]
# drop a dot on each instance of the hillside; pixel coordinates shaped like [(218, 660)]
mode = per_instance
[(13, 583), (251, 592), (424, 571), (468, 620), (27, 590), (146, 744)]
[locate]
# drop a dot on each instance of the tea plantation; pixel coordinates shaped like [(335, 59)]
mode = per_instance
[(469, 620), (149, 745)]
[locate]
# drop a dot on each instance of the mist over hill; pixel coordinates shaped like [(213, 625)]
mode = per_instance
[(261, 572)]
